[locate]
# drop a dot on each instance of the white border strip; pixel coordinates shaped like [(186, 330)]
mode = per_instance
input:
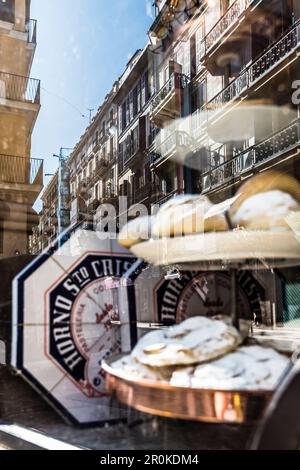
[(35, 438)]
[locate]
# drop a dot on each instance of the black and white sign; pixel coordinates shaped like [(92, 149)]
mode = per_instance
[(66, 321)]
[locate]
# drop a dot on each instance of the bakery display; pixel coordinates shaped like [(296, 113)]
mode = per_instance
[(253, 229), (197, 340), (202, 353), (136, 231), (248, 368), (265, 201), (186, 215)]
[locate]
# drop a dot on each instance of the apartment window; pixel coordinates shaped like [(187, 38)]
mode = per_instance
[(7, 10), (111, 147), (97, 191), (143, 87), (135, 101), (131, 113), (139, 96), (123, 116), (127, 111), (200, 45)]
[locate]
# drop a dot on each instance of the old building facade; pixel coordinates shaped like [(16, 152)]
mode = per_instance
[(21, 177), (93, 164), (206, 104)]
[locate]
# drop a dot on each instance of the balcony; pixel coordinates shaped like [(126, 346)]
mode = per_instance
[(31, 28), (175, 142), (226, 22), (110, 195), (269, 150), (142, 193), (19, 89), (284, 51), (132, 149), (166, 104), (101, 167), (10, 28), (160, 197), (21, 174)]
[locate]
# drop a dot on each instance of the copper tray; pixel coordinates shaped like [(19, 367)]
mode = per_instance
[(213, 406)]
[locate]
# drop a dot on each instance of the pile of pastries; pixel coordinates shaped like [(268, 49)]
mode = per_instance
[(203, 353), (265, 202)]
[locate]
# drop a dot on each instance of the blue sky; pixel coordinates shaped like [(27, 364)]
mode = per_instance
[(83, 46)]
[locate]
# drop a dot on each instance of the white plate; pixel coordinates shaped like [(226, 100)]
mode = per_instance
[(217, 250)]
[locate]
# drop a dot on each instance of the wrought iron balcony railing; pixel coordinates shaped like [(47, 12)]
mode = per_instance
[(18, 88), (270, 59), (229, 18), (161, 150), (176, 81), (142, 193), (21, 170), (101, 167), (280, 142), (31, 28), (164, 197)]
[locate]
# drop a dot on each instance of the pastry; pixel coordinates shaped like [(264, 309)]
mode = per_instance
[(136, 231), (265, 211), (265, 201), (186, 215), (194, 341), (133, 369), (248, 368)]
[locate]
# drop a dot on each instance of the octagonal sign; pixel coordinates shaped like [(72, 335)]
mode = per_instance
[(66, 320)]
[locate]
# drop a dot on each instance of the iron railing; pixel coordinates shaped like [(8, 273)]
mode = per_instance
[(162, 150), (268, 60), (177, 81), (18, 88), (229, 18), (280, 142), (21, 170), (142, 193), (166, 197), (31, 28)]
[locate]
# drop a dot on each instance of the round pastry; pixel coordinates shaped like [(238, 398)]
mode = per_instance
[(186, 215), (197, 340), (248, 368), (265, 211), (128, 366), (274, 192), (136, 231)]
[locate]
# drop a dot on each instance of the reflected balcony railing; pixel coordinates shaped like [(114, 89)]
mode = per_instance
[(101, 166), (142, 193), (270, 59), (161, 150), (177, 81), (31, 28), (230, 17), (165, 196), (21, 170), (18, 88), (279, 143)]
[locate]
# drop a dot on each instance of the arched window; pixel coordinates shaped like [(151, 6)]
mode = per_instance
[(7, 10)]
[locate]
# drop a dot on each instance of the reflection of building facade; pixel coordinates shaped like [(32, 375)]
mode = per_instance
[(21, 177), (93, 164), (133, 100), (48, 227), (209, 67), (220, 65)]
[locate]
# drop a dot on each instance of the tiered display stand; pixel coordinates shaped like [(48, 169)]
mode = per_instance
[(230, 251)]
